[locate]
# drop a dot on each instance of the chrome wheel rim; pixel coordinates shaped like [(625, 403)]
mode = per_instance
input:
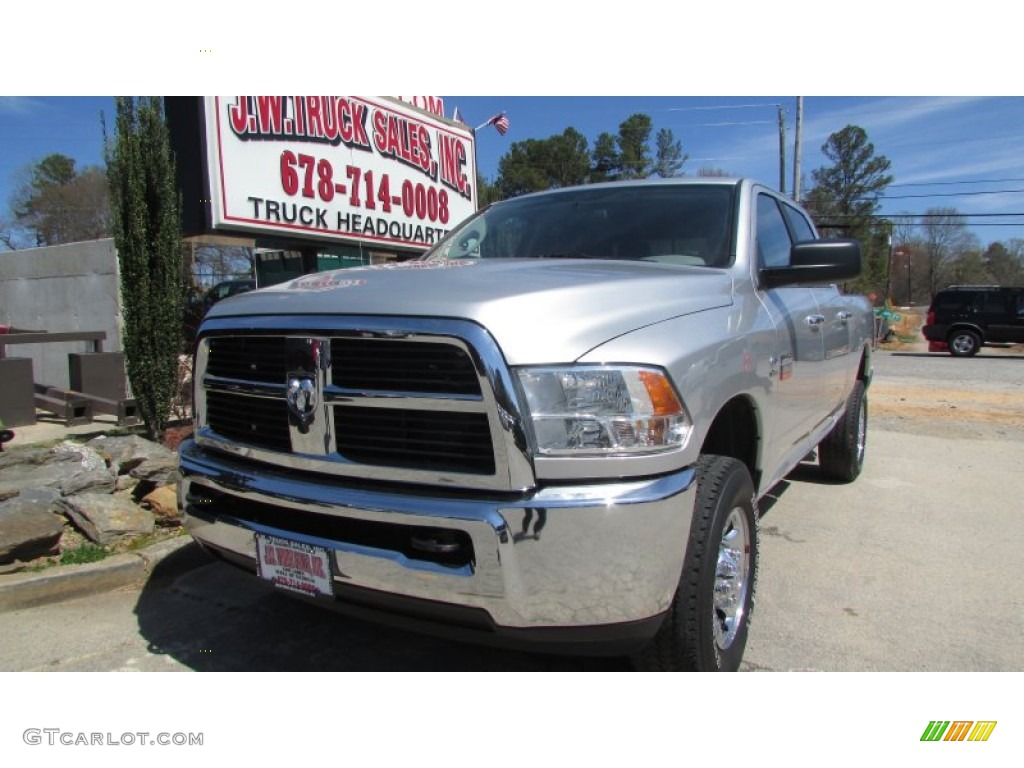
[(732, 578), (862, 432), (963, 343)]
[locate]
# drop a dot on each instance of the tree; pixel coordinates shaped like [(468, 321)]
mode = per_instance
[(634, 159), (604, 159), (669, 158), (147, 234), (570, 159), (8, 238), (946, 240), (850, 187), (969, 268), (57, 204), (845, 197), (213, 263), (1004, 264), (486, 192), (535, 164)]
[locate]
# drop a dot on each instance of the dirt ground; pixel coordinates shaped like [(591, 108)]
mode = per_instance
[(941, 403), (951, 407)]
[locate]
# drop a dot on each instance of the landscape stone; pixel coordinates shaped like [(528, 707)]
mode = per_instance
[(125, 452), (125, 483), (159, 471), (164, 504), (29, 528), (86, 457), (105, 518), (68, 467), (91, 480), (24, 456)]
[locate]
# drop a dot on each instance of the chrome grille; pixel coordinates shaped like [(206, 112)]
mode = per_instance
[(401, 399)]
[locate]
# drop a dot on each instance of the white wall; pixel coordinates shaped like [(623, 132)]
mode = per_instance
[(61, 289)]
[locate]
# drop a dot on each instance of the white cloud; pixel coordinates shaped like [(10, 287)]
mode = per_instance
[(18, 105)]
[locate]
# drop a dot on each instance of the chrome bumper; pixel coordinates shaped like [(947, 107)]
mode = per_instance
[(560, 557)]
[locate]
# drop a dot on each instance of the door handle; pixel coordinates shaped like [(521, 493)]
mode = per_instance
[(844, 316), (815, 320)]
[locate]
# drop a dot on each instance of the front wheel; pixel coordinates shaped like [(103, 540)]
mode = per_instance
[(707, 624)]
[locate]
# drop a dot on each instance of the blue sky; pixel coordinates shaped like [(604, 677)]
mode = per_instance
[(966, 152)]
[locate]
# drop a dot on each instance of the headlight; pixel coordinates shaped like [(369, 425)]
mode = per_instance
[(603, 410)]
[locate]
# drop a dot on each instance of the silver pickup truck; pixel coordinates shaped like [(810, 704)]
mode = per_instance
[(550, 431)]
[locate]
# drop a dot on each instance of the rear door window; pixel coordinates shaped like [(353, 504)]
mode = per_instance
[(802, 229), (773, 243)]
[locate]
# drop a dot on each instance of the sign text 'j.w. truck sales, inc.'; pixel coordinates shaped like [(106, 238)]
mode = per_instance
[(343, 168)]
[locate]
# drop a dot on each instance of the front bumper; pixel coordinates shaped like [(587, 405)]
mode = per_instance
[(567, 566)]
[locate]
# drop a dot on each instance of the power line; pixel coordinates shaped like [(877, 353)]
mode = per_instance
[(954, 183), (922, 215), (950, 194)]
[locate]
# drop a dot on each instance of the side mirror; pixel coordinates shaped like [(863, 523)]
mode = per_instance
[(816, 261)]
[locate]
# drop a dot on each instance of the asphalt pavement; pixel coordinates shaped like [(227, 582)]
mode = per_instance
[(912, 567)]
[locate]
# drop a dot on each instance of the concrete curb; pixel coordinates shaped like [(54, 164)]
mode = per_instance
[(26, 590)]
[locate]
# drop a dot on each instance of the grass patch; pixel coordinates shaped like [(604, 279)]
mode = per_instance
[(86, 552)]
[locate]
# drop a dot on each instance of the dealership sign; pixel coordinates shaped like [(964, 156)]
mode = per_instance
[(339, 168)]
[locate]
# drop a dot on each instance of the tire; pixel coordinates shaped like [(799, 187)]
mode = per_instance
[(841, 453), (964, 343), (707, 624)]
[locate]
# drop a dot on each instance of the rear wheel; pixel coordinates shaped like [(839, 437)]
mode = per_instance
[(964, 343), (707, 624), (841, 454)]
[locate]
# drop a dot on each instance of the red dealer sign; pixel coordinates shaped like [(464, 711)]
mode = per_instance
[(339, 168)]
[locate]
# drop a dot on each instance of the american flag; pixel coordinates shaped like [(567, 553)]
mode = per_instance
[(500, 122)]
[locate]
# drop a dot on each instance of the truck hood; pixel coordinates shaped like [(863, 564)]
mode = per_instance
[(538, 310)]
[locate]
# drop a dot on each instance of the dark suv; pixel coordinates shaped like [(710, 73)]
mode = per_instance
[(962, 319)]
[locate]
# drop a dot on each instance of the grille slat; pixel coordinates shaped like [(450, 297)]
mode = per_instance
[(402, 438), (403, 366), (252, 358), (249, 420)]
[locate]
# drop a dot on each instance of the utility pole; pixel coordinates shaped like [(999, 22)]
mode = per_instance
[(782, 150), (798, 146)]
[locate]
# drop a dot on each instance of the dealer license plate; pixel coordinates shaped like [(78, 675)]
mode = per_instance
[(294, 566)]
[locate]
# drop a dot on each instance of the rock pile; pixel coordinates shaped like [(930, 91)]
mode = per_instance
[(109, 490)]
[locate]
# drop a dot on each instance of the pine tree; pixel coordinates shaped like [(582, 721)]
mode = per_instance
[(846, 196), (669, 157)]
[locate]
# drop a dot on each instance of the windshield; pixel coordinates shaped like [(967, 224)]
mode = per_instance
[(671, 224)]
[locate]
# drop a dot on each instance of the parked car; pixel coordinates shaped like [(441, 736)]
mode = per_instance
[(198, 305), (964, 318), (227, 288)]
